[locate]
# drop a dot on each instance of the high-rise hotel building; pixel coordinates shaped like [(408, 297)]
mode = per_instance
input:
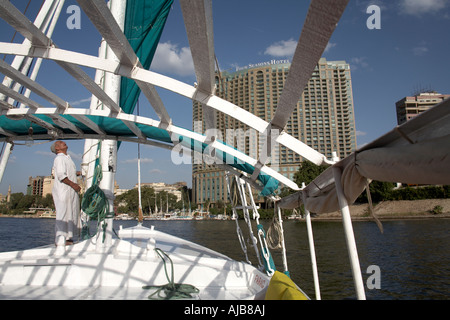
[(323, 119), (409, 107)]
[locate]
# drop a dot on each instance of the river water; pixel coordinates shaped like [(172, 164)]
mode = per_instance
[(413, 256)]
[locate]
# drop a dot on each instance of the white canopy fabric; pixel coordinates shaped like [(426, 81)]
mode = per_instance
[(417, 152)]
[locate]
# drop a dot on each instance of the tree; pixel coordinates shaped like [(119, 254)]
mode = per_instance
[(206, 205), (379, 191), (44, 202), (47, 201), (129, 201), (308, 172), (26, 202)]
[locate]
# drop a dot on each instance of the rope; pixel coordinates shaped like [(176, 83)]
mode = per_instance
[(95, 204), (274, 233), (269, 265), (372, 212), (171, 290), (232, 195), (253, 239)]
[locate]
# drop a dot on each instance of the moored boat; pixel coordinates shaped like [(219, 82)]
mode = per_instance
[(47, 214), (82, 271), (139, 262)]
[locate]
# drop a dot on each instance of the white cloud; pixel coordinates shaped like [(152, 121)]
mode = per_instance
[(170, 58), (45, 153), (420, 51), (12, 159), (156, 171), (73, 155), (284, 48), (359, 63), (360, 133), (135, 160), (419, 7), (81, 101), (329, 46), (361, 145)]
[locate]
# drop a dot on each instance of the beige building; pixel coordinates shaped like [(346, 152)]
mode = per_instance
[(43, 185), (174, 189), (47, 185), (36, 186), (323, 119), (409, 107)]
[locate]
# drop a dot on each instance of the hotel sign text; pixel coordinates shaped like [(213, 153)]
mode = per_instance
[(262, 64)]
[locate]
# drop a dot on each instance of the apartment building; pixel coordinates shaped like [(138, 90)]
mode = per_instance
[(409, 107), (323, 119), (35, 186)]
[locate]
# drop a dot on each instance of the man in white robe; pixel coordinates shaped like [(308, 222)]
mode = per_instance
[(65, 195)]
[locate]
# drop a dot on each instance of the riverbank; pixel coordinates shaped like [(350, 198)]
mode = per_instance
[(385, 210), (391, 210)]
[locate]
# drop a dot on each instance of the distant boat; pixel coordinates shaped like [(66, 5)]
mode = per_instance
[(168, 216), (47, 214), (124, 216)]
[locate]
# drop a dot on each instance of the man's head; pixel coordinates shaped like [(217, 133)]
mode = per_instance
[(59, 147)]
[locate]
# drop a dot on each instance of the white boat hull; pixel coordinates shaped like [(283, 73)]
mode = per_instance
[(80, 271)]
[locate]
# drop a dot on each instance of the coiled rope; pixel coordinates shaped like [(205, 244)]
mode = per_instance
[(95, 204), (274, 238), (171, 290)]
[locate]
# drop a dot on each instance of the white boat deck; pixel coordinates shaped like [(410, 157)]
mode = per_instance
[(82, 272)]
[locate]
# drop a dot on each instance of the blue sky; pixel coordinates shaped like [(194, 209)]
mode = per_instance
[(409, 52)]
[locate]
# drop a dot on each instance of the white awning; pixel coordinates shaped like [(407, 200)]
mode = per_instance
[(417, 152)]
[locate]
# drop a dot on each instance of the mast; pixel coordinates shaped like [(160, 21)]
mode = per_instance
[(109, 147), (46, 19), (140, 216), (189, 202), (182, 201), (108, 151)]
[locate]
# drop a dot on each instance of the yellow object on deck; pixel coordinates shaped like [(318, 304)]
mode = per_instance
[(281, 287)]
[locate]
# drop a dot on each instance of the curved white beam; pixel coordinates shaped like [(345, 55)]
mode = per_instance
[(198, 21), (173, 130), (102, 18), (321, 20), (164, 82), (197, 15), (38, 39)]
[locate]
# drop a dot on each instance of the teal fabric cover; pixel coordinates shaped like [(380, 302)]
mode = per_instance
[(144, 22)]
